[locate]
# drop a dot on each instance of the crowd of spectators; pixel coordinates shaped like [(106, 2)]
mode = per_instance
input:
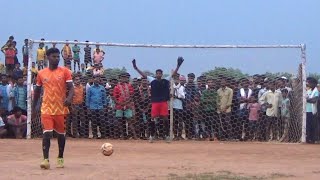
[(204, 108)]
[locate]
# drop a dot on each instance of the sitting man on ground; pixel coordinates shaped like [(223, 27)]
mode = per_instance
[(17, 123)]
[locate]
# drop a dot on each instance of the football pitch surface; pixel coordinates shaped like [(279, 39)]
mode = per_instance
[(20, 159)]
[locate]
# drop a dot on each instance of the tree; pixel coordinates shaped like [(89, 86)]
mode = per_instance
[(114, 72), (278, 74), (217, 72)]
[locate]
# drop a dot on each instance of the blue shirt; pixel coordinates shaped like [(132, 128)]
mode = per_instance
[(96, 97), (5, 97), (309, 105), (20, 96)]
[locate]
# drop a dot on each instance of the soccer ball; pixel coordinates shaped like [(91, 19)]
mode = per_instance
[(107, 149)]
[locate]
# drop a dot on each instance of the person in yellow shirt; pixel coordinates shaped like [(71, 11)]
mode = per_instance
[(41, 56), (66, 54)]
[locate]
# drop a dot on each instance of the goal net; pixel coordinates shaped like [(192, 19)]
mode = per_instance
[(220, 93)]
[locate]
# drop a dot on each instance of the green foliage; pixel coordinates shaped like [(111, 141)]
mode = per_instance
[(315, 75), (278, 74), (226, 72), (114, 72)]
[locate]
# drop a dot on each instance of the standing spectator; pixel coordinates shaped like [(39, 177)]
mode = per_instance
[(96, 103), (254, 111), (123, 96), (87, 55), (77, 115), (311, 108), (224, 109), (17, 72), (285, 114), (5, 93), (98, 56), (76, 56), (6, 46), (191, 91), (41, 56), (178, 97), (271, 101), (17, 123), (66, 53), (25, 53), (160, 95), (34, 70), (144, 107), (20, 95), (209, 101), (98, 47), (14, 45), (244, 95), (10, 54)]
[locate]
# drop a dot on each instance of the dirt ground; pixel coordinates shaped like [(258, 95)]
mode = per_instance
[(140, 160)]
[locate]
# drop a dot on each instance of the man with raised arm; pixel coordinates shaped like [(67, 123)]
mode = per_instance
[(160, 95)]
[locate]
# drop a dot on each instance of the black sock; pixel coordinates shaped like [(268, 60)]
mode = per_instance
[(61, 143), (152, 128), (46, 144)]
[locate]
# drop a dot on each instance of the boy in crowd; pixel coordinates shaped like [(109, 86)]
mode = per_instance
[(17, 72), (254, 111), (160, 95), (144, 107), (123, 97), (66, 54), (10, 54), (17, 123), (244, 95), (83, 69), (41, 56), (20, 95), (271, 101), (5, 93), (76, 114), (191, 90), (96, 104), (209, 101), (285, 114), (311, 108), (25, 53), (14, 46), (178, 97), (76, 56), (87, 55), (224, 109), (98, 56)]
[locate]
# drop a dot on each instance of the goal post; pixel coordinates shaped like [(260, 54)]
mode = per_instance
[(302, 48)]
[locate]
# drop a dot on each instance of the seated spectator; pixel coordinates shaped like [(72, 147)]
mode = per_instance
[(3, 131), (97, 70), (17, 72), (17, 123), (2, 69), (98, 56), (20, 95)]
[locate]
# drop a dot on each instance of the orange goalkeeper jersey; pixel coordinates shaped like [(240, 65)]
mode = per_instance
[(54, 85)]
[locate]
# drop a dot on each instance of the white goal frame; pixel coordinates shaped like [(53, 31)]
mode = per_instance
[(302, 48)]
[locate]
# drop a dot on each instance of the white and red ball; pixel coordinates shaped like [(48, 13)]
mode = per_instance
[(107, 149)]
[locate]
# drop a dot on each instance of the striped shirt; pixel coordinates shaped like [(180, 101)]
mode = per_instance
[(87, 54)]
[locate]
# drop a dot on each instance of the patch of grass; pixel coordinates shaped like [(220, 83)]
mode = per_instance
[(225, 175)]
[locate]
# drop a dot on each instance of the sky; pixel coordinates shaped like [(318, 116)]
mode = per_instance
[(205, 22)]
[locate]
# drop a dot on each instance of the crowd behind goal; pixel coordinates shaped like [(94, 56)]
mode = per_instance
[(221, 108)]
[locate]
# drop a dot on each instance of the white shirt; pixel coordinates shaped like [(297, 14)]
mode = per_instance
[(179, 91)]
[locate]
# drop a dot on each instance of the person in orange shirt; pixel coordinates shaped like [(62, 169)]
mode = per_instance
[(66, 53), (57, 96), (77, 112)]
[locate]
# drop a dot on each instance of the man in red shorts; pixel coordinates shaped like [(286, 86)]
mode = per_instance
[(160, 95), (57, 96)]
